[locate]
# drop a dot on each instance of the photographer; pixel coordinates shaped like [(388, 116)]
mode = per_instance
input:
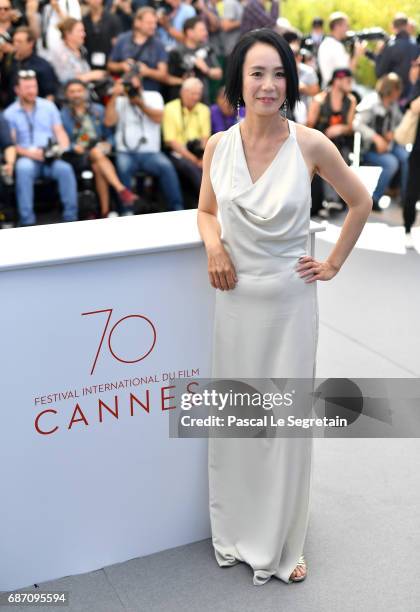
[(137, 115), (44, 17), (123, 10), (7, 27), (186, 130), (102, 30), (25, 58), (413, 180), (231, 25), (193, 58), (377, 116), (332, 113), (332, 53), (69, 58), (84, 124), (398, 53), (35, 123), (172, 15), (143, 48)]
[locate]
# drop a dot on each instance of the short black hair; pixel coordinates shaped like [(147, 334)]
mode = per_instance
[(190, 23), (237, 58), (291, 36)]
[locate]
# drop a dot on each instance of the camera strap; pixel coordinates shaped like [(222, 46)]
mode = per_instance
[(142, 139), (140, 49)]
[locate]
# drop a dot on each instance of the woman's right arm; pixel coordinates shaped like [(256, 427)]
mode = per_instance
[(222, 273)]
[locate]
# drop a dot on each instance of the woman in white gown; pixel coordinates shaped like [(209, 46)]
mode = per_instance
[(258, 174)]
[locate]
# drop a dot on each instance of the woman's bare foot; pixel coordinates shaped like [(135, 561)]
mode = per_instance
[(299, 572)]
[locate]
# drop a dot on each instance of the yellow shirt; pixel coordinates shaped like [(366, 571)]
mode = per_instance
[(186, 125)]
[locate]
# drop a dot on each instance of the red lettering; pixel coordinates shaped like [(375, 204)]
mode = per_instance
[(133, 399), (102, 404), (166, 398), (37, 427), (82, 417)]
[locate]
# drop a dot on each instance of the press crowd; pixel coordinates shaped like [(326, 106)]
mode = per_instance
[(111, 102)]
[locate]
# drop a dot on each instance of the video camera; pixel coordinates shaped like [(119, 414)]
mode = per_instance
[(368, 34)]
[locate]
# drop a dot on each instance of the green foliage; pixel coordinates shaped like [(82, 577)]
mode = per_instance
[(362, 13)]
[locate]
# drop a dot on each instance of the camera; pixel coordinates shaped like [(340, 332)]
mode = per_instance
[(100, 89), (131, 90), (194, 147), (366, 34), (51, 151), (182, 64)]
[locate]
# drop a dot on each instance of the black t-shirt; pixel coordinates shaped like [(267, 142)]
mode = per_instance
[(45, 75), (5, 63), (181, 62), (99, 36)]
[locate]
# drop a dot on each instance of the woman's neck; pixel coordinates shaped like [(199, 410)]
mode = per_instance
[(256, 127), (73, 47)]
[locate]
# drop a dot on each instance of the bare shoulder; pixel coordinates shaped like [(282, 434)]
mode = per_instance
[(212, 143), (307, 136), (313, 141), (313, 144)]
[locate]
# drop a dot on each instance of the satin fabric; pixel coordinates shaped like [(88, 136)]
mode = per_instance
[(267, 327)]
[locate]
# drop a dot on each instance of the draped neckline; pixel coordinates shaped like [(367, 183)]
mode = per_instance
[(270, 165)]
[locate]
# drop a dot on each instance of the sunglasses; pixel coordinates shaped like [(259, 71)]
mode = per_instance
[(26, 74)]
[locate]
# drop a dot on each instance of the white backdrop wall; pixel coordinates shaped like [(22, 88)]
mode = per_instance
[(93, 493)]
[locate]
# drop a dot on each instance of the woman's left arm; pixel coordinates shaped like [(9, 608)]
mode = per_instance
[(329, 164)]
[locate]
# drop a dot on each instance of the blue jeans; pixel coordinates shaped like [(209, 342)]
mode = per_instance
[(155, 164), (396, 158), (28, 170)]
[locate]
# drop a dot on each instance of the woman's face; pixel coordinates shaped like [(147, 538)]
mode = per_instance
[(77, 34), (263, 80)]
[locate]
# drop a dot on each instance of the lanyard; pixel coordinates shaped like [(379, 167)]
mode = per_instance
[(30, 123), (185, 125)]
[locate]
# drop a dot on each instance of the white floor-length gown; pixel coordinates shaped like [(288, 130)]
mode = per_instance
[(267, 327)]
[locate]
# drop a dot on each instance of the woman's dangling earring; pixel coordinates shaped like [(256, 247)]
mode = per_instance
[(283, 110), (238, 111)]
